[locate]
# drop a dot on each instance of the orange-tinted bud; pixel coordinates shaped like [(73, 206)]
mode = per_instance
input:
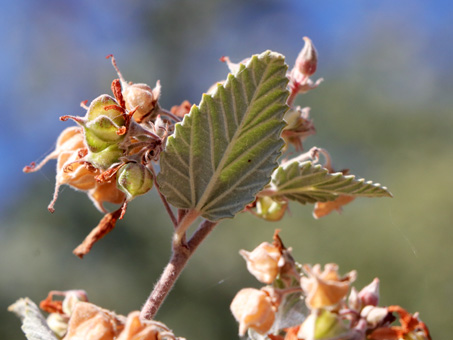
[(325, 288), (263, 262), (252, 308)]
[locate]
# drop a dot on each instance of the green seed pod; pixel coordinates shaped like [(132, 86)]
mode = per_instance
[(271, 209), (105, 158), (97, 109), (134, 179), (103, 121)]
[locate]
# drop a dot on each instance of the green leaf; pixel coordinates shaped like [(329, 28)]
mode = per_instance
[(308, 183), (34, 324), (225, 150)]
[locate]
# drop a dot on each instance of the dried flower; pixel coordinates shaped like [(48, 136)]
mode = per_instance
[(325, 288), (252, 308), (263, 262), (89, 322), (322, 209), (106, 192)]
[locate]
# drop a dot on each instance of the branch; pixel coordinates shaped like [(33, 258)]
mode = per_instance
[(178, 261)]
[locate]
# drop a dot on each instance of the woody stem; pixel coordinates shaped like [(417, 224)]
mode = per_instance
[(180, 257)]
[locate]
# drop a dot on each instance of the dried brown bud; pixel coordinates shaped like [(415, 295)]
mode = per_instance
[(252, 308), (325, 288), (142, 97), (263, 262), (322, 209)]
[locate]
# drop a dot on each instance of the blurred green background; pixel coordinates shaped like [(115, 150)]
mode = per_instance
[(384, 111)]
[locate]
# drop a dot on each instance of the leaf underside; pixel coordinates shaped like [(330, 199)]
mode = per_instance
[(225, 150), (308, 183), (34, 324)]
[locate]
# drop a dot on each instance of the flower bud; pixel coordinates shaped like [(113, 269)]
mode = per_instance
[(374, 315), (270, 208), (307, 60), (134, 179), (325, 288), (141, 97), (252, 308), (369, 295), (263, 262), (354, 301), (299, 127)]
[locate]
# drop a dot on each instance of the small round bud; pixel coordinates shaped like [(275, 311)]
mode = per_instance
[(271, 209), (134, 179), (252, 308), (139, 96)]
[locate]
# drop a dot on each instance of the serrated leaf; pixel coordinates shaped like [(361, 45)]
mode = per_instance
[(34, 324), (226, 149), (308, 183)]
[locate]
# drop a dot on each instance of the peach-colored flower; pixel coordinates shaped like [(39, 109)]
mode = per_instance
[(253, 308), (89, 322), (106, 192), (325, 208), (325, 288), (263, 262)]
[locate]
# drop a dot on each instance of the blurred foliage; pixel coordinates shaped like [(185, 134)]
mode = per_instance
[(384, 111)]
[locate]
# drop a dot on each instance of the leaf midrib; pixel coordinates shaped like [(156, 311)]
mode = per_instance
[(231, 144)]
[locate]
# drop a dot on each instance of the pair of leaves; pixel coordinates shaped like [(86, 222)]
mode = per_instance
[(225, 150)]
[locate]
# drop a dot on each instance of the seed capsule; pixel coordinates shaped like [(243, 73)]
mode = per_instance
[(271, 209), (104, 121), (134, 179)]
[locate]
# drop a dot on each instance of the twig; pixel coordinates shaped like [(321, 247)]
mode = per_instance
[(180, 256)]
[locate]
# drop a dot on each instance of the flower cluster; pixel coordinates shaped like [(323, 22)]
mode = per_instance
[(110, 154), (74, 318), (303, 302)]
